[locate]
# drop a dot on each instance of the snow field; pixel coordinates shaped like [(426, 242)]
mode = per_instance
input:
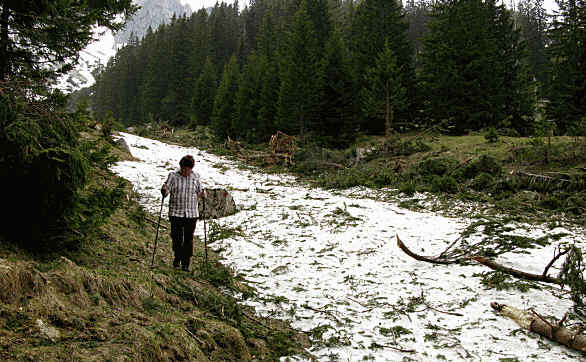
[(328, 262)]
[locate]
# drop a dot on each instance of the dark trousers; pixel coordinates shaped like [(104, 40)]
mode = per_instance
[(182, 229)]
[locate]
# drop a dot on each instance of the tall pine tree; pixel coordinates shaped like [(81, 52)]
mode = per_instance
[(472, 68), (204, 94), (567, 103), (225, 102)]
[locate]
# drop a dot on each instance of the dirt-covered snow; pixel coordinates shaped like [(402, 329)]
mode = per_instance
[(328, 262)]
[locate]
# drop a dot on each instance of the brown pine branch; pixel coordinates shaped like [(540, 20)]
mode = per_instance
[(555, 257), (514, 272), (421, 257)]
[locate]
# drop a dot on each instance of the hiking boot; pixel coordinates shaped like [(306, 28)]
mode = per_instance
[(185, 265)]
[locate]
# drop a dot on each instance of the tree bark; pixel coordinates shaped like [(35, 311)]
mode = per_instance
[(536, 323)]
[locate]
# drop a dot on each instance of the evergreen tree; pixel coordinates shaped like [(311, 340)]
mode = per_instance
[(334, 106), (374, 22), (204, 93), (224, 104), (473, 72), (268, 102), (245, 122), (298, 76), (41, 154), (43, 38), (534, 22), (385, 94), (567, 103)]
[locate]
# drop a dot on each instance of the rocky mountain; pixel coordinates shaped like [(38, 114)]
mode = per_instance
[(152, 13)]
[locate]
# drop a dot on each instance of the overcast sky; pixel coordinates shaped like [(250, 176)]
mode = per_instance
[(198, 4)]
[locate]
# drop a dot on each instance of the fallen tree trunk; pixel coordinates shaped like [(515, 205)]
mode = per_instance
[(516, 273), (421, 257), (536, 323)]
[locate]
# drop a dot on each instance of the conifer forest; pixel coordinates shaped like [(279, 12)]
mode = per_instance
[(330, 69)]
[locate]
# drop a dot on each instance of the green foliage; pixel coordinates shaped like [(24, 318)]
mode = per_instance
[(42, 39), (482, 181), (436, 166), (46, 169), (483, 164), (473, 68), (446, 184), (204, 94), (384, 93), (572, 274), (224, 109), (568, 85), (491, 135)]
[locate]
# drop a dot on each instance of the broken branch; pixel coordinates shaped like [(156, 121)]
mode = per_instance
[(537, 324), (555, 257), (421, 257), (516, 273)]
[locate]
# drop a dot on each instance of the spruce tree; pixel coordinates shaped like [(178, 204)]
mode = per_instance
[(225, 102), (333, 112), (204, 94), (567, 103), (298, 74), (385, 94), (374, 22), (268, 102), (43, 161), (245, 123), (473, 72)]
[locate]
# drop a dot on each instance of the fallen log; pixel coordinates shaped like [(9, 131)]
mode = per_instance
[(535, 323), (516, 273), (421, 257)]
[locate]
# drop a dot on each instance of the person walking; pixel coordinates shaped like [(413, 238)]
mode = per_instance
[(184, 188)]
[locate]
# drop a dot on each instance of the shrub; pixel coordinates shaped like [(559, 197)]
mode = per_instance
[(408, 188), (482, 181), (484, 164), (491, 135), (436, 166), (446, 184)]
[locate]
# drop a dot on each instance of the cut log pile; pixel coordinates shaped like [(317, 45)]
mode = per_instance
[(282, 150), (283, 145)]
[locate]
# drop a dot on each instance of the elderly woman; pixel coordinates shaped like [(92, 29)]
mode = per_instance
[(184, 187)]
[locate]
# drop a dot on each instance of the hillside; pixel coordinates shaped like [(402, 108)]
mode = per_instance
[(101, 300)]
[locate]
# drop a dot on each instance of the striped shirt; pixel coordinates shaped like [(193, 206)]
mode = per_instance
[(184, 191)]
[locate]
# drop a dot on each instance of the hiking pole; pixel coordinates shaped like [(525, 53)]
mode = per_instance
[(157, 235), (205, 238)]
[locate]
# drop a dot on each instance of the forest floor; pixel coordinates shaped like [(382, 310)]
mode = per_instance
[(319, 248)]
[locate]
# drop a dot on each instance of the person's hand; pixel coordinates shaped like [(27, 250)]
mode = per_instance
[(164, 191), (203, 194)]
